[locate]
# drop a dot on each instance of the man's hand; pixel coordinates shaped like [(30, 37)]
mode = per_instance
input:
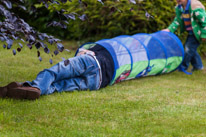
[(85, 51)]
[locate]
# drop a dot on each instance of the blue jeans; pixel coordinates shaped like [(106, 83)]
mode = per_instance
[(191, 54), (82, 73)]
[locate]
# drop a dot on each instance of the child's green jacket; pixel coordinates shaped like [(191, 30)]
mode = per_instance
[(198, 20)]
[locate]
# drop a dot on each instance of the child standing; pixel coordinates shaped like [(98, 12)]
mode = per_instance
[(190, 16)]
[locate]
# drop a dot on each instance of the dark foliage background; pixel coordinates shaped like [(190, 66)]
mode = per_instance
[(105, 20)]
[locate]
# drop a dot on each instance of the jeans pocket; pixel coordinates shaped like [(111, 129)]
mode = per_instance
[(91, 81), (78, 66), (90, 62)]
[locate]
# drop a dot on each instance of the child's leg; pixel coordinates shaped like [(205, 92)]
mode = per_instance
[(196, 62), (191, 46)]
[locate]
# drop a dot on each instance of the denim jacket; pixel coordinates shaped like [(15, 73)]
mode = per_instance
[(198, 20)]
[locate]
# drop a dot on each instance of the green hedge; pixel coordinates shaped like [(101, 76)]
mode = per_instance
[(106, 20), (117, 18)]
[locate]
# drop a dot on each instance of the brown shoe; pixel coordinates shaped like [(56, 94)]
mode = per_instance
[(30, 93), (3, 90)]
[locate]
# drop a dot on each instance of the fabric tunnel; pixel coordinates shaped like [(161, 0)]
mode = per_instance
[(142, 54)]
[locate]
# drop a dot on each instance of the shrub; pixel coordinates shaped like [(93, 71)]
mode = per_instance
[(116, 18)]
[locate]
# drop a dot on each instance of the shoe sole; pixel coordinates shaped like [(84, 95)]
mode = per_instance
[(3, 90), (19, 93)]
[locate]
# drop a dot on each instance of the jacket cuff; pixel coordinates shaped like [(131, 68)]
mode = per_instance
[(171, 29), (203, 35)]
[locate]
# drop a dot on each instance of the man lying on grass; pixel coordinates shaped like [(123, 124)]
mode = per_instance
[(90, 69), (104, 62)]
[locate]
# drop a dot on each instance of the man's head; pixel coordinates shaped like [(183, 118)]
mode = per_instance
[(182, 2)]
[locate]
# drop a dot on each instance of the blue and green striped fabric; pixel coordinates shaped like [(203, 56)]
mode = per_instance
[(142, 54)]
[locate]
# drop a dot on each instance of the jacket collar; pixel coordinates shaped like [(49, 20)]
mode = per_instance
[(187, 6)]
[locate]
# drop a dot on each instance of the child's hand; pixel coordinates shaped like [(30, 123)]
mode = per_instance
[(166, 30)]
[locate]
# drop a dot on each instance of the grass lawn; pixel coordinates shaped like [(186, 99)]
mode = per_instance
[(173, 104)]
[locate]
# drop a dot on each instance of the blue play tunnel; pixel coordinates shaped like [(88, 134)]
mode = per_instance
[(142, 54)]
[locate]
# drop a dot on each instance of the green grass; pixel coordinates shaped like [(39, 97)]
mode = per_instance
[(173, 104)]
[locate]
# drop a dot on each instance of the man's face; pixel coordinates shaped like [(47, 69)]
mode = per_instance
[(181, 2)]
